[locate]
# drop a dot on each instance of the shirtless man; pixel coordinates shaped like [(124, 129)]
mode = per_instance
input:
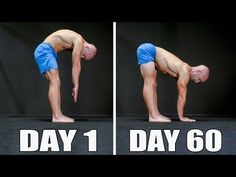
[(150, 58), (46, 59)]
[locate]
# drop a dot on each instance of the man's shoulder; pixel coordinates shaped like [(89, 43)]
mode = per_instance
[(184, 69)]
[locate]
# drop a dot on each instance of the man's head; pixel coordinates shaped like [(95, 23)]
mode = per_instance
[(89, 51), (199, 73)]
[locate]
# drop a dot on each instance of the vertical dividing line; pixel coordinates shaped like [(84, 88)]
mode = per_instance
[(114, 88)]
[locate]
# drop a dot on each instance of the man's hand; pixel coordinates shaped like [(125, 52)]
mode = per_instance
[(75, 93)]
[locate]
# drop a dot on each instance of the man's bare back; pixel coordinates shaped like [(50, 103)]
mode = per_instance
[(64, 39), (171, 65)]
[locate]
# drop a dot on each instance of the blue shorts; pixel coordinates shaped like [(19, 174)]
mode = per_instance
[(45, 57), (145, 53)]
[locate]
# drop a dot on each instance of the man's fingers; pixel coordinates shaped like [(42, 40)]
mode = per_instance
[(75, 99), (75, 96)]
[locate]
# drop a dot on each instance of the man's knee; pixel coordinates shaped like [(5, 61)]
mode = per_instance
[(53, 77), (150, 78), (55, 81), (150, 82)]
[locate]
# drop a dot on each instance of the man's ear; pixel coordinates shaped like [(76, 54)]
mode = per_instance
[(86, 47)]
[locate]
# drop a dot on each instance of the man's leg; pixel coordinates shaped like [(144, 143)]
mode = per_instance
[(149, 92), (54, 96)]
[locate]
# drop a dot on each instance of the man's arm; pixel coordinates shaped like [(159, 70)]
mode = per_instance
[(76, 68), (182, 92), (182, 84)]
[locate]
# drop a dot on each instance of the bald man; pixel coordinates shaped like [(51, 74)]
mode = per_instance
[(46, 59), (150, 58)]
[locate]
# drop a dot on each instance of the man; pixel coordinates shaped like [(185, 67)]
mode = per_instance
[(151, 58), (46, 58)]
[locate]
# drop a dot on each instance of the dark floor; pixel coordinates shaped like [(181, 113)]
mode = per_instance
[(10, 135), (226, 126)]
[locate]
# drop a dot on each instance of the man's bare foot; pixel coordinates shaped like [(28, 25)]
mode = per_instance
[(159, 118), (185, 119), (62, 119)]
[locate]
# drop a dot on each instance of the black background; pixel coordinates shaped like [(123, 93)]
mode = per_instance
[(196, 42), (23, 90)]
